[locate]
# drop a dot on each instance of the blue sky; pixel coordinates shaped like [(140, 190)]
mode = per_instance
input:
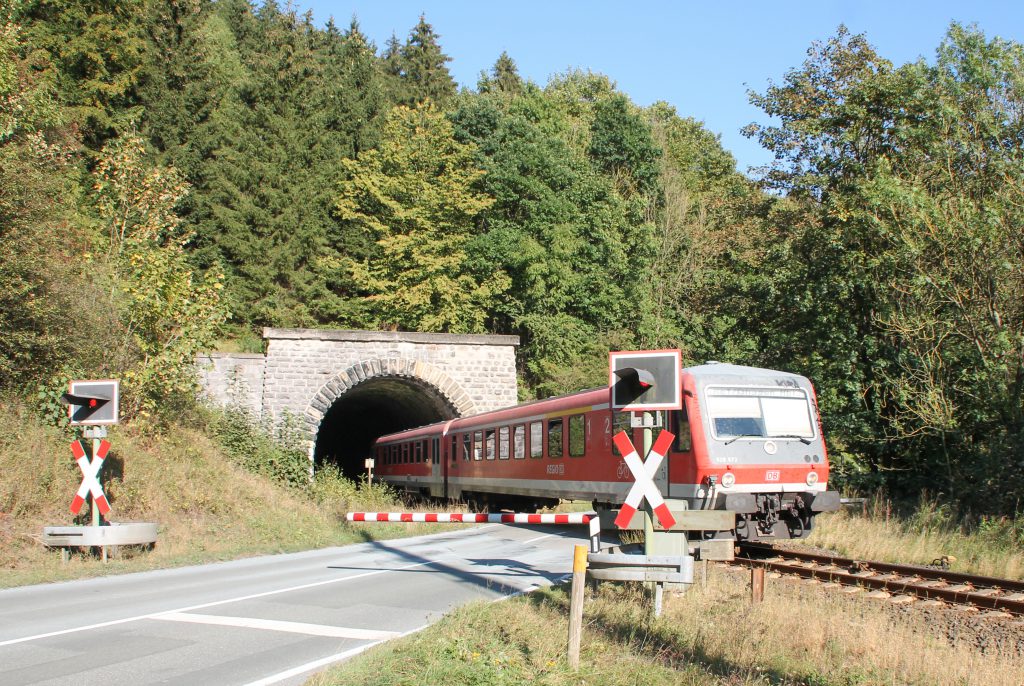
[(701, 57)]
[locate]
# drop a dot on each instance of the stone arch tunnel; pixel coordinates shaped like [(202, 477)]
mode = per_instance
[(373, 408), (349, 387)]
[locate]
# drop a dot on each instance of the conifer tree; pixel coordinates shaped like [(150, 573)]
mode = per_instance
[(421, 65), (504, 77), (95, 48)]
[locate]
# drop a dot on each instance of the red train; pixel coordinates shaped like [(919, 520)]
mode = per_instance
[(747, 440)]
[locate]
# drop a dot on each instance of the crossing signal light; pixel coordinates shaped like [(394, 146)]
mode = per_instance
[(645, 380), (92, 403), (632, 383)]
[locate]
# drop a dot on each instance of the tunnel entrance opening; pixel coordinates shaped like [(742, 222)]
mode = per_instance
[(375, 407)]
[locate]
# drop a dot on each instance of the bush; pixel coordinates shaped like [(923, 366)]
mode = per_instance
[(331, 490), (261, 449)]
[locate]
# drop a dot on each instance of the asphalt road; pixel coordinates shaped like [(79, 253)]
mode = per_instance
[(266, 620)]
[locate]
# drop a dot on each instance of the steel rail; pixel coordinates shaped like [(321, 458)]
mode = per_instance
[(1010, 585), (922, 582)]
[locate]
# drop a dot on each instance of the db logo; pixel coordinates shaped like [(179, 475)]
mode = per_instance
[(622, 472), (771, 475)]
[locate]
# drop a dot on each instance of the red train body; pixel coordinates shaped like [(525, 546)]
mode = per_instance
[(747, 440)]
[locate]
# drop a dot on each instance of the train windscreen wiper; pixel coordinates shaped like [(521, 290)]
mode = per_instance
[(803, 439), (739, 436)]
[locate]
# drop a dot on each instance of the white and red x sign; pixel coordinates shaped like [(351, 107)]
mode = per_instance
[(90, 470), (644, 473)]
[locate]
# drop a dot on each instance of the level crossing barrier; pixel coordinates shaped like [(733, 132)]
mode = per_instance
[(565, 519), (613, 565)]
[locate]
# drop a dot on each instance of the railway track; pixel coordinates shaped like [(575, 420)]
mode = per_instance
[(1004, 595)]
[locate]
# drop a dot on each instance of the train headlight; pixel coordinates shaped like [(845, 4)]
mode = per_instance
[(812, 478), (728, 480)]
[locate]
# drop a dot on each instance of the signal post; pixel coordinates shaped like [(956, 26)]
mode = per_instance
[(93, 405), (647, 384)]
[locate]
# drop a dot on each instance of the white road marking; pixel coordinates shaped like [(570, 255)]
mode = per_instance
[(156, 615), (276, 625), (340, 657), (310, 666), (324, 661)]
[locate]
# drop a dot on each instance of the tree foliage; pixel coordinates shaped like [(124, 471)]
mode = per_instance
[(904, 261), (36, 177), (332, 184), (415, 196), (169, 313)]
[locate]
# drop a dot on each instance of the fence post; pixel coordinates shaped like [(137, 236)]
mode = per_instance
[(756, 584), (579, 573)]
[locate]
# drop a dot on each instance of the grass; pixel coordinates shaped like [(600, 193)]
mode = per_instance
[(802, 635), (989, 546), (799, 636), (207, 507)]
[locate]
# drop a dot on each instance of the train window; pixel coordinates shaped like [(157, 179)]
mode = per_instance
[(453, 449), (554, 438), (681, 428), (577, 435), (519, 442), (503, 443), (436, 446), (478, 445), (417, 449), (467, 446), (620, 422), (537, 439), (737, 411), (489, 443), (405, 453)]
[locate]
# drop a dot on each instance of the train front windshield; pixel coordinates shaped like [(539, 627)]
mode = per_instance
[(759, 412)]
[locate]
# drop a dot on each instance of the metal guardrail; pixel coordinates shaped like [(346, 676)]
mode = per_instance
[(116, 533), (670, 569), (102, 537), (653, 569)]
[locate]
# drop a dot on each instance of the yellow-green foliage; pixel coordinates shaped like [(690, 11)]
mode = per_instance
[(415, 197)]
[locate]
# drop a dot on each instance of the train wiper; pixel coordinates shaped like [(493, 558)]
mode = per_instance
[(738, 437), (803, 439)]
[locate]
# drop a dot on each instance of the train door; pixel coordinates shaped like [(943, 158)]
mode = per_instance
[(681, 464), (437, 469)]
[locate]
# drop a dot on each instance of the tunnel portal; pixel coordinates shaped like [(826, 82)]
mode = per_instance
[(373, 408)]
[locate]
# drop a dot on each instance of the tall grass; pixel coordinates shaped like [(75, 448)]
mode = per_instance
[(800, 635), (206, 504), (987, 545)]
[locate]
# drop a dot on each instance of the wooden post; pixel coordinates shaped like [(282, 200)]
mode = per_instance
[(579, 573), (756, 584)]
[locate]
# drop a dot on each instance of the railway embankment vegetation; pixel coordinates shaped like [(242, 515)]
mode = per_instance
[(175, 176), (217, 489)]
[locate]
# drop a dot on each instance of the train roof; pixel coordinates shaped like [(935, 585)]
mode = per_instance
[(729, 372)]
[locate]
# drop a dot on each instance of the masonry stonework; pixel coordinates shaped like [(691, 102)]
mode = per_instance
[(306, 370)]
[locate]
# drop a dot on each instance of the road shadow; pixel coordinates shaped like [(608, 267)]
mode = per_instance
[(497, 574)]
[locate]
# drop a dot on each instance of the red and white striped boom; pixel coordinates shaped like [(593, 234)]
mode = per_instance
[(472, 518)]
